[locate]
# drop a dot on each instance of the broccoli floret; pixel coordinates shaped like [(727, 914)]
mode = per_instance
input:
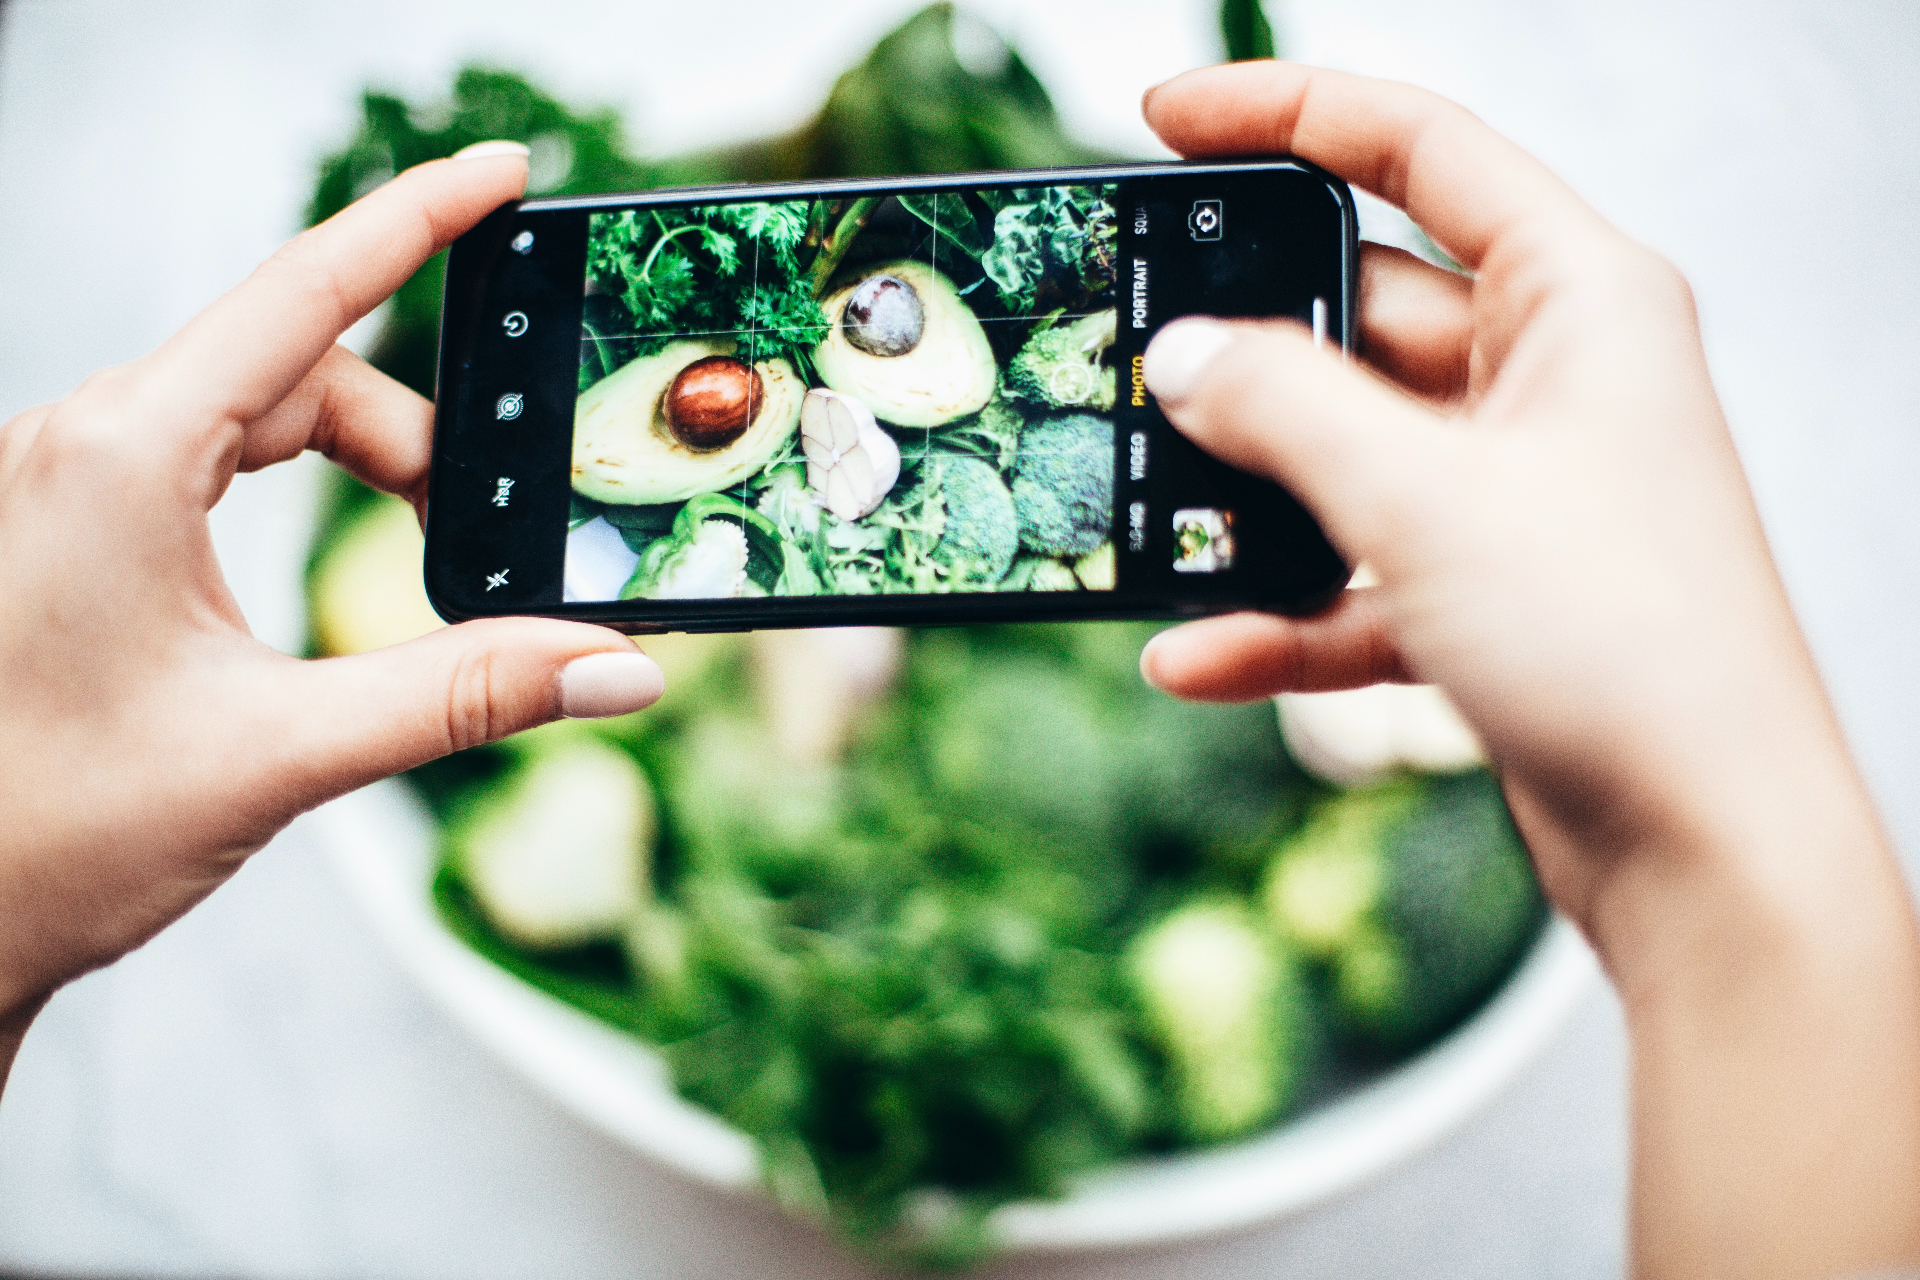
[(982, 534), (1063, 484), (1418, 895), (1206, 780), (1060, 367), (1227, 1009)]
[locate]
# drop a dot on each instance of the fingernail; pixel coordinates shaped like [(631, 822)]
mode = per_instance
[(1179, 354), (493, 147), (1154, 654), (609, 684)]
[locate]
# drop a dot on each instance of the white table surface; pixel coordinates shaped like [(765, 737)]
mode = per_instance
[(261, 1092)]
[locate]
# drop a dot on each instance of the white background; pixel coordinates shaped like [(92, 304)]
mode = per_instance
[(260, 1092)]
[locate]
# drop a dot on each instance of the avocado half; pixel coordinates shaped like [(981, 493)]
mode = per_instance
[(949, 374), (624, 452)]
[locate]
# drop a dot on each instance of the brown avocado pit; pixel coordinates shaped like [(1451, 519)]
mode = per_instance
[(712, 402)]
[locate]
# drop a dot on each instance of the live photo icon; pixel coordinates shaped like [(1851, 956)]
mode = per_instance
[(1207, 220)]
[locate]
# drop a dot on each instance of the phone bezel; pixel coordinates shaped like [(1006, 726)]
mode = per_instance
[(956, 608)]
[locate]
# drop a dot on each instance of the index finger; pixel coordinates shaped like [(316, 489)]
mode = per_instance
[(1464, 183), (243, 355)]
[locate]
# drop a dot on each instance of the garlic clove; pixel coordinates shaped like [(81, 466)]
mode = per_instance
[(851, 462), (844, 421)]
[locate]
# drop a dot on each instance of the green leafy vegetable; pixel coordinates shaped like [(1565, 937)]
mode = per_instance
[(1245, 30), (692, 269), (1044, 248)]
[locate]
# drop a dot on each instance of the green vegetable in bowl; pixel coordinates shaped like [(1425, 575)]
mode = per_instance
[(557, 853), (1418, 896), (947, 942), (1227, 1009), (1062, 366), (1063, 484)]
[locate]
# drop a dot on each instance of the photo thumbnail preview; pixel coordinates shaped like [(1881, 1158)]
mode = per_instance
[(852, 395)]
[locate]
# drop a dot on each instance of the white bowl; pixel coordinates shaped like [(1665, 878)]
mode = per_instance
[(381, 841)]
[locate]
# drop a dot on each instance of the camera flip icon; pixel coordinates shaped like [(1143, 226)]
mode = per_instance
[(1208, 219)]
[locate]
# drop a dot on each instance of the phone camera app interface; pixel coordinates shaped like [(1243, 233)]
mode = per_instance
[(847, 395)]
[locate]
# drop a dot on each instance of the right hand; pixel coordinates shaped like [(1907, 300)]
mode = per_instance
[(1537, 471)]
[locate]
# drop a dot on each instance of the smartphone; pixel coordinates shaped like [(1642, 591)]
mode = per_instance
[(905, 401)]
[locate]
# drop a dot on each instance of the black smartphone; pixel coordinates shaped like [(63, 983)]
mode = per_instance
[(898, 401)]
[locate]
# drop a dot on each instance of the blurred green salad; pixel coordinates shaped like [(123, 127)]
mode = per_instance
[(941, 920)]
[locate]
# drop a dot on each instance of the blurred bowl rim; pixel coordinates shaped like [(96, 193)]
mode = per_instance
[(380, 841)]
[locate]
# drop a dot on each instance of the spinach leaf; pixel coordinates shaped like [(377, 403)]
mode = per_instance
[(1052, 249)]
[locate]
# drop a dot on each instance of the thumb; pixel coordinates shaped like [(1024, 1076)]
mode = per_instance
[(365, 717), (1260, 396)]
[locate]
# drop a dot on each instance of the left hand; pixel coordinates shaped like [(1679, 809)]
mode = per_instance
[(148, 743)]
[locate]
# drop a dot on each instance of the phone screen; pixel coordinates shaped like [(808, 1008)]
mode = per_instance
[(875, 396)]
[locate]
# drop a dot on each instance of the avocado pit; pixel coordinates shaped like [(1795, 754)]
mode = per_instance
[(884, 316), (712, 402)]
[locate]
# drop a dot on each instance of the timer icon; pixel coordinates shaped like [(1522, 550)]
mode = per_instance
[(508, 406)]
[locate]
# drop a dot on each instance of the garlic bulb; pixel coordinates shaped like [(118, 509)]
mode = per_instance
[(851, 462)]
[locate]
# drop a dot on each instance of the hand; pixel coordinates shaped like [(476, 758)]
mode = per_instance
[(148, 743), (1535, 466)]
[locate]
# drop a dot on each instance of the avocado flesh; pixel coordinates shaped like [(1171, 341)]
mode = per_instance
[(624, 452), (949, 375)]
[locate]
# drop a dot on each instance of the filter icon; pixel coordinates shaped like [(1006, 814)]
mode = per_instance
[(508, 406)]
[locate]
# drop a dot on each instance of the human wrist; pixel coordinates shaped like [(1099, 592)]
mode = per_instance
[(1770, 984), (1783, 876)]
